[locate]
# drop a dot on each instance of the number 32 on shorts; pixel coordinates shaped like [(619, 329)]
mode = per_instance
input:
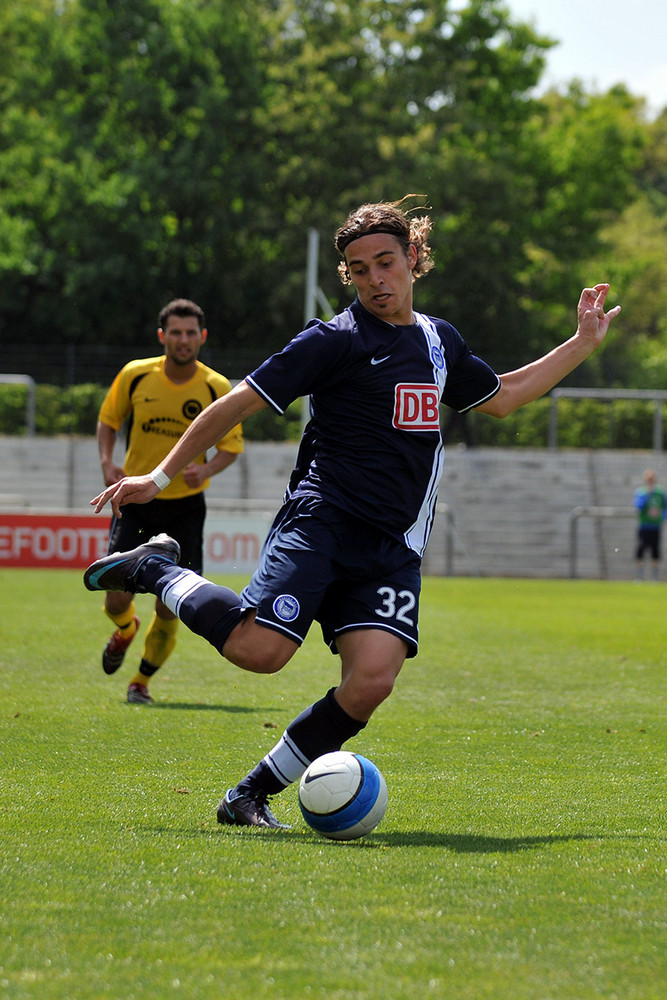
[(396, 605)]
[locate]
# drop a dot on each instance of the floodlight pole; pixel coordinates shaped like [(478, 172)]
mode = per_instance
[(310, 300), (314, 297), (311, 275)]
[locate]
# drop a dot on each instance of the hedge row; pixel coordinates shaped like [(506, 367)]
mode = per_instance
[(582, 423), (73, 410)]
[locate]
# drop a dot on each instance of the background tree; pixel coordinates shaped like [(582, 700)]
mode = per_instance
[(169, 147), (633, 251), (129, 183)]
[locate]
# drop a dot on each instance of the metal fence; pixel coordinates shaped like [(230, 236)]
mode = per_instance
[(51, 364)]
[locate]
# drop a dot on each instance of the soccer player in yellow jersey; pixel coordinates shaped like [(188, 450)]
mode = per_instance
[(159, 398)]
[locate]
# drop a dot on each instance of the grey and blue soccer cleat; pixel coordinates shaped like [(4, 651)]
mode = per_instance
[(118, 571)]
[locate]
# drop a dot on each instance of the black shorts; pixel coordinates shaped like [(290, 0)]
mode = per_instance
[(183, 519), (321, 563), (648, 540)]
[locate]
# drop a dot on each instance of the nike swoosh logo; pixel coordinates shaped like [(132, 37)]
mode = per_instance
[(378, 361), (314, 777), (94, 578)]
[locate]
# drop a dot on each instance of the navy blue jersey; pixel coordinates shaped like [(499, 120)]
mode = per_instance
[(373, 444)]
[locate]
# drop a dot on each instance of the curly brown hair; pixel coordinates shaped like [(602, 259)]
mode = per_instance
[(386, 217)]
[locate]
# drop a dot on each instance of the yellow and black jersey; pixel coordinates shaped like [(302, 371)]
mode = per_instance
[(159, 411)]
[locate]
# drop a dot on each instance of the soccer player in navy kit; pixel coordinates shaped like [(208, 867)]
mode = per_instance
[(345, 549)]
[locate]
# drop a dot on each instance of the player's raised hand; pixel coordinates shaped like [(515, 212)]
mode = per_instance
[(133, 489), (592, 321)]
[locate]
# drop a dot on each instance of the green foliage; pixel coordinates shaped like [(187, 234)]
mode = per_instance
[(70, 410), (522, 854), (582, 423), (74, 410), (128, 177), (80, 405), (633, 255), (172, 147), (13, 402), (267, 425), (527, 428)]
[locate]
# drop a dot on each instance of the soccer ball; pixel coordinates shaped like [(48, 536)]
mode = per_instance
[(342, 795)]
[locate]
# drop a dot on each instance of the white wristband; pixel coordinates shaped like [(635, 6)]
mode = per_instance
[(160, 478)]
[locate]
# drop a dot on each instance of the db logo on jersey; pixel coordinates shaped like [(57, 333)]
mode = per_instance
[(416, 407)]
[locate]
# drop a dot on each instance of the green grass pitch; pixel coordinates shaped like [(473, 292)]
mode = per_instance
[(522, 855)]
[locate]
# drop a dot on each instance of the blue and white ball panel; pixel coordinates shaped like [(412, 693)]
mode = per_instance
[(365, 803)]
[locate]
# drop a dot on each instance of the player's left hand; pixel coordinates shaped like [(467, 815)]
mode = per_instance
[(194, 475), (592, 321)]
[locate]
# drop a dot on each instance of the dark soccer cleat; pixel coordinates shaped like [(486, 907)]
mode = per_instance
[(137, 694), (247, 810), (118, 571), (115, 649)]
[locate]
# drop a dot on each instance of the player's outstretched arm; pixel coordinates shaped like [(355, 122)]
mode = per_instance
[(532, 381), (209, 427)]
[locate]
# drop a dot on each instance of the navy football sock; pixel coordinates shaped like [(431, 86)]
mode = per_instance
[(319, 729), (206, 608)]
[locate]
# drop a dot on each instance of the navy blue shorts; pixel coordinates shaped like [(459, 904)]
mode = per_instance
[(320, 563), (183, 519)]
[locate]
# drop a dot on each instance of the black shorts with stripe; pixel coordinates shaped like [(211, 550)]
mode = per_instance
[(183, 519)]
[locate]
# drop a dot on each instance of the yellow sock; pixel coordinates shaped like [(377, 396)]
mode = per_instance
[(158, 644), (124, 621)]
